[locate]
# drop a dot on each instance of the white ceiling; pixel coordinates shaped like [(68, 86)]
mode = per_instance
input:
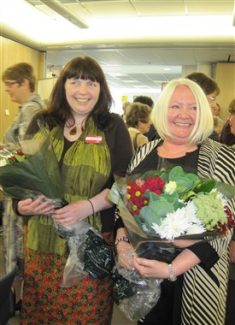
[(151, 42)]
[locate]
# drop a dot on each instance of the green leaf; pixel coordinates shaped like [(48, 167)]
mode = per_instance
[(38, 173), (185, 181), (158, 207), (205, 186)]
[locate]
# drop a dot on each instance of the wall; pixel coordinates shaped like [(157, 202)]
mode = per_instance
[(11, 53), (225, 77), (45, 87)]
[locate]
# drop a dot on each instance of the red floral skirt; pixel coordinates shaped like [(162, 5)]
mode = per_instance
[(46, 302)]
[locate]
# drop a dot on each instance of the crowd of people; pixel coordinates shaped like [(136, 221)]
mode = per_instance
[(94, 147)]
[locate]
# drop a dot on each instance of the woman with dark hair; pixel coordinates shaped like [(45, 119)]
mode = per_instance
[(88, 142)]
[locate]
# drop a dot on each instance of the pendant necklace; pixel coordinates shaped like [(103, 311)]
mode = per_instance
[(74, 129)]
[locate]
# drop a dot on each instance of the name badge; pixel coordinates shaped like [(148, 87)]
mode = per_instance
[(93, 139)]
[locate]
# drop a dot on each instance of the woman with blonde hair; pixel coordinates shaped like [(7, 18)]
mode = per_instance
[(194, 286)]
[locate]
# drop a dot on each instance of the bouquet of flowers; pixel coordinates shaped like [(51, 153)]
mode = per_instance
[(174, 204), (161, 208)]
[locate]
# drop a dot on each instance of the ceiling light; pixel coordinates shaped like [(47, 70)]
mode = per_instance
[(54, 5)]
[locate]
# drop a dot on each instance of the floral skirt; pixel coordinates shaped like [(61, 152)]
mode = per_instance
[(46, 302)]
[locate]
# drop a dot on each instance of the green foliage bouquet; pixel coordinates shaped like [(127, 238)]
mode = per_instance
[(31, 170)]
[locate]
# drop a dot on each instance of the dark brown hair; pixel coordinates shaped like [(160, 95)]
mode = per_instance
[(19, 72), (207, 84), (84, 68), (144, 100)]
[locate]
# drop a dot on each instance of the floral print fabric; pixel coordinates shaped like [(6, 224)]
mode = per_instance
[(46, 302)]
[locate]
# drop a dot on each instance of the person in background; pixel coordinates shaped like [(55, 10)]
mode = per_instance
[(195, 284), (211, 89), (218, 121), (216, 110), (144, 100), (19, 81), (138, 123), (228, 132), (228, 137), (79, 110), (152, 133), (125, 107)]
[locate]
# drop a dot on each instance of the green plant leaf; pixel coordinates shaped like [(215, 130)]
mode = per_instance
[(185, 181), (157, 209), (205, 186)]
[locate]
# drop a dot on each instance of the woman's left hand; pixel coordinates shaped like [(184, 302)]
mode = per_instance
[(151, 268), (73, 212)]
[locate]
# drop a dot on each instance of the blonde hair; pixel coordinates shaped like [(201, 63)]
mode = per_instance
[(204, 120)]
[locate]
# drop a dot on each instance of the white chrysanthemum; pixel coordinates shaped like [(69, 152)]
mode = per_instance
[(191, 212), (195, 228), (177, 223), (170, 187)]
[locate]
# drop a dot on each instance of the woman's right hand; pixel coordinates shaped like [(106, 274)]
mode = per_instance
[(40, 205)]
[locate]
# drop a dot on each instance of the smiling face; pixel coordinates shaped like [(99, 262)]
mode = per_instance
[(82, 95), (182, 113)]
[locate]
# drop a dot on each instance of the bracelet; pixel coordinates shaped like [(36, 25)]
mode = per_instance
[(123, 238), (172, 277), (92, 206)]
